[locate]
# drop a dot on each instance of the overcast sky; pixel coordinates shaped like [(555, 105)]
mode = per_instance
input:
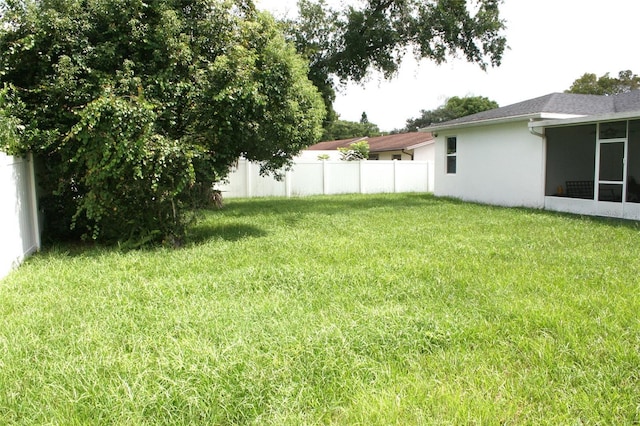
[(552, 43)]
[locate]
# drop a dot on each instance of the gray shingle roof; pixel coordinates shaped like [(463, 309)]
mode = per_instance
[(556, 103), (627, 102)]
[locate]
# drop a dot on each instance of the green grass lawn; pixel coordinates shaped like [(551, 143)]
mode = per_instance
[(370, 310)]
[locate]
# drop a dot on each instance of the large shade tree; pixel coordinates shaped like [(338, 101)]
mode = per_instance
[(135, 108), (348, 43)]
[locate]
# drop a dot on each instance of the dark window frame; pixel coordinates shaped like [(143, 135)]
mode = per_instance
[(451, 146)]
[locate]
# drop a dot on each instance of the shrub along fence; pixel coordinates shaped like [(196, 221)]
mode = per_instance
[(309, 177), (18, 212)]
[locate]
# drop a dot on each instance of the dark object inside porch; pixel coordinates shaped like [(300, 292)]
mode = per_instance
[(633, 190), (580, 189)]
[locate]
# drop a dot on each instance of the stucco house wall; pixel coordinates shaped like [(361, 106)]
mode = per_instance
[(501, 164), (527, 153), (424, 152), (388, 155)]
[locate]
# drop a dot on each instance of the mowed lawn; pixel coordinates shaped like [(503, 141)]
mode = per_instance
[(369, 310)]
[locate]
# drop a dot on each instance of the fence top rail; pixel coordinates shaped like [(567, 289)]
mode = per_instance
[(363, 162), (308, 161)]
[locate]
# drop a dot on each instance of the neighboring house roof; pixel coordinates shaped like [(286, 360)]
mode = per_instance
[(379, 143), (333, 145), (551, 106)]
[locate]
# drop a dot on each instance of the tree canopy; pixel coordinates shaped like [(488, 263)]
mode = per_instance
[(350, 42), (136, 108), (590, 84), (344, 129), (454, 107)]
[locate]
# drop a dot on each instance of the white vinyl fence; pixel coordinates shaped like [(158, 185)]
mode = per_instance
[(19, 228), (313, 177)]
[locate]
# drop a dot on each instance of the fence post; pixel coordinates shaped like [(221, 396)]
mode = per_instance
[(360, 173), (34, 202), (325, 178), (395, 177), (287, 183), (249, 181)]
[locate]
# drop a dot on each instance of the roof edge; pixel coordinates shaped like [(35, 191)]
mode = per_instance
[(488, 122), (421, 144), (584, 119)]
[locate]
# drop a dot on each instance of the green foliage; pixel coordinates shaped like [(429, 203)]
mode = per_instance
[(348, 43), (454, 107), (355, 152), (323, 157), (589, 84), (343, 129), (314, 33), (133, 179), (9, 126), (135, 109)]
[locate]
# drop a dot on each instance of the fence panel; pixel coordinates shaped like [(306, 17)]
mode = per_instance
[(413, 176), (378, 176), (342, 177), (238, 183), (307, 179), (18, 212), (311, 177), (265, 186)]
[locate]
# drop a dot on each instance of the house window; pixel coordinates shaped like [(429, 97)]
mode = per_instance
[(374, 156), (397, 157), (452, 154)]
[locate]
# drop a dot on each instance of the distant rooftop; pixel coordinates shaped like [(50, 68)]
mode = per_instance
[(378, 143)]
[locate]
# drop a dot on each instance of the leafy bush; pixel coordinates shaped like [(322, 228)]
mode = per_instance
[(8, 124), (136, 109), (356, 151)]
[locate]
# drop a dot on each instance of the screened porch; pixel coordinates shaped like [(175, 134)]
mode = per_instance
[(594, 168)]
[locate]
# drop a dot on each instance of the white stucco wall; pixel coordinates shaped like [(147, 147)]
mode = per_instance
[(501, 164), (388, 155), (424, 153)]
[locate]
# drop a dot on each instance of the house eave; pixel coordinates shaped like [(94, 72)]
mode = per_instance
[(394, 149), (378, 150), (589, 119), (421, 144), (502, 120)]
